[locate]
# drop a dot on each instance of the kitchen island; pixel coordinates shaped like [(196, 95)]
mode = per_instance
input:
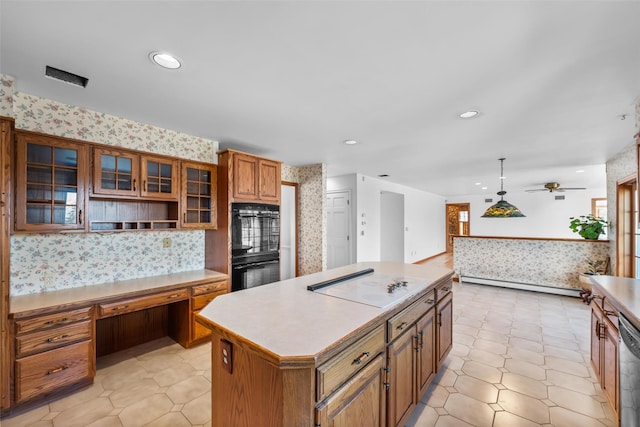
[(359, 352)]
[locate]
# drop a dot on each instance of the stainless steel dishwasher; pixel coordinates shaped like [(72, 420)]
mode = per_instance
[(629, 374)]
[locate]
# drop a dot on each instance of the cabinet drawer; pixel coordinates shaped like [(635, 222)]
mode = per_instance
[(45, 372), (135, 304), (208, 287), (202, 300), (52, 320), (337, 370), (442, 290), (38, 342), (407, 317)]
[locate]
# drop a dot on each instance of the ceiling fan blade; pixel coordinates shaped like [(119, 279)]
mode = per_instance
[(535, 191), (570, 188)]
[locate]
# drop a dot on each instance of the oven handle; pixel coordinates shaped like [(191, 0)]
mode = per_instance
[(255, 265)]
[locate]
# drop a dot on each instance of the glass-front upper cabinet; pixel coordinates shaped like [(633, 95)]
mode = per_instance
[(121, 173), (159, 178), (50, 183), (115, 172), (199, 190)]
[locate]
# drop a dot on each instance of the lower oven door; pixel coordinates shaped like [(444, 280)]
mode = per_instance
[(629, 374), (247, 276)]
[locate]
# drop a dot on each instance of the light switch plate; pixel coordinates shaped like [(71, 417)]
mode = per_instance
[(226, 355)]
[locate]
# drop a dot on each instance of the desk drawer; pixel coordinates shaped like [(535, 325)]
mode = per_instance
[(38, 342), (46, 372), (209, 287), (202, 300), (141, 303), (52, 320), (337, 370), (407, 317)]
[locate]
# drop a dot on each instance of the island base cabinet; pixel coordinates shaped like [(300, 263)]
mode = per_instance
[(444, 329), (359, 402), (604, 350), (402, 378)]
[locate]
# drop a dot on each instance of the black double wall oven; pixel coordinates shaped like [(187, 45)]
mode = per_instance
[(255, 245)]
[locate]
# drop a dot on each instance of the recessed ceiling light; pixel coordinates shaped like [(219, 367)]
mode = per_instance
[(468, 114), (478, 183), (580, 171), (484, 188), (165, 60), (350, 142)]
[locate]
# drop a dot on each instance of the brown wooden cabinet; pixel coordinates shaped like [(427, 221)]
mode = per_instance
[(252, 178), (6, 142), (410, 356), (444, 329), (124, 173), (53, 351), (604, 348), (51, 175), (199, 195), (359, 402), (201, 295)]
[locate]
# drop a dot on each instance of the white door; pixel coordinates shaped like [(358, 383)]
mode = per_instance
[(288, 232), (391, 226), (338, 219)]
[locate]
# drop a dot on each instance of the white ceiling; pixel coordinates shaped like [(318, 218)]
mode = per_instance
[(292, 80)]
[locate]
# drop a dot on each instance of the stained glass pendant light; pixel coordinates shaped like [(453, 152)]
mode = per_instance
[(502, 209)]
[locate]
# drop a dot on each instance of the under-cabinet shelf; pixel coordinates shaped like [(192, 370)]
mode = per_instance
[(133, 225)]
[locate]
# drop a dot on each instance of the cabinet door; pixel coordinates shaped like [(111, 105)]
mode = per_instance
[(199, 190), (269, 181), (444, 329), (358, 403), (596, 330), (6, 139), (115, 173), (426, 354), (609, 365), (50, 184), (245, 177), (401, 356), (159, 178)]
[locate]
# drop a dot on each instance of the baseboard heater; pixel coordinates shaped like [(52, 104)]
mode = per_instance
[(519, 285)]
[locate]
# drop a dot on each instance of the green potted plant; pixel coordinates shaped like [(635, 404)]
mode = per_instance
[(588, 226)]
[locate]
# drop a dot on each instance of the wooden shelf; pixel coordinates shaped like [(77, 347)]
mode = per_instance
[(133, 225)]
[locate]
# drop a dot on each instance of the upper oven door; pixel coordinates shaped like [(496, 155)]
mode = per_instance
[(255, 229)]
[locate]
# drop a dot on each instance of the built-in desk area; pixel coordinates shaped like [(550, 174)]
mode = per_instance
[(57, 335)]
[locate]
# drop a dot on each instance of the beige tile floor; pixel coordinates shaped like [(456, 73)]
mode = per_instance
[(519, 359)]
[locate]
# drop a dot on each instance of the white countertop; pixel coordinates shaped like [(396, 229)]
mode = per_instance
[(286, 320)]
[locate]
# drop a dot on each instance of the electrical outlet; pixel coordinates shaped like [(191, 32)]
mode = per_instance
[(49, 280), (226, 353), (166, 242)]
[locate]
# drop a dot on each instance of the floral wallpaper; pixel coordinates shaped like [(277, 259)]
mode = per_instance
[(55, 261), (77, 259), (6, 95), (312, 218), (542, 262)]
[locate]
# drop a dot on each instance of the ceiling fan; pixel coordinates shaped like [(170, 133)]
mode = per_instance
[(552, 187)]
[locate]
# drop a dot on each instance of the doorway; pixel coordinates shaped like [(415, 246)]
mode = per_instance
[(391, 226), (338, 228), (289, 231), (457, 216), (627, 218)]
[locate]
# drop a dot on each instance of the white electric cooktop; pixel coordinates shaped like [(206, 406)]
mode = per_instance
[(373, 289)]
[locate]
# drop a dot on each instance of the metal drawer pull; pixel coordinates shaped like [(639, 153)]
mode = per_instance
[(429, 301), (52, 322), (445, 289), (401, 326), (440, 319), (610, 313), (362, 356), (56, 370), (173, 296), (122, 307), (54, 339)]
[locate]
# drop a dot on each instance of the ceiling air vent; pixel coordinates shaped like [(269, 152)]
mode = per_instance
[(559, 197), (488, 200), (66, 76)]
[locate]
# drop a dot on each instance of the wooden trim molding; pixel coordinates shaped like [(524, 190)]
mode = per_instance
[(429, 258), (297, 208), (551, 239)]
